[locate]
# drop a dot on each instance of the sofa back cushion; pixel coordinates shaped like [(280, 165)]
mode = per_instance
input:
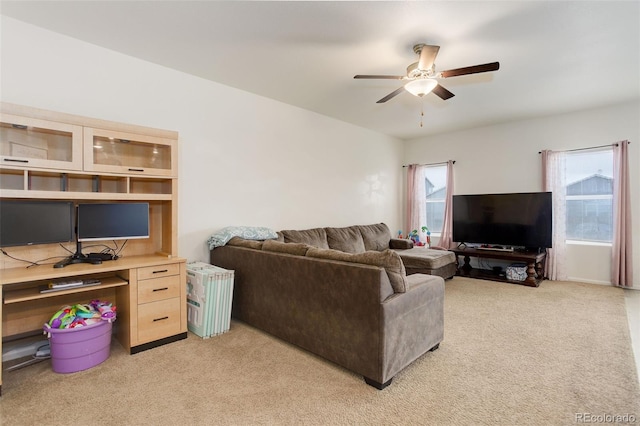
[(376, 237), (241, 242), (387, 259), (298, 249), (345, 239), (316, 237)]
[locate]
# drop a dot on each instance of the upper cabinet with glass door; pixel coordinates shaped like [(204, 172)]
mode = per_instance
[(119, 152), (29, 142)]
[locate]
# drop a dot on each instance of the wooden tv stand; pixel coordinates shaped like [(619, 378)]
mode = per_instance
[(534, 260)]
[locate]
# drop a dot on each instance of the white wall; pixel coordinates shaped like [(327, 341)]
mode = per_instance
[(504, 158), (244, 159)]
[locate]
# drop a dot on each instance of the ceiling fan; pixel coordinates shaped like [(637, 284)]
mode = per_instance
[(422, 75)]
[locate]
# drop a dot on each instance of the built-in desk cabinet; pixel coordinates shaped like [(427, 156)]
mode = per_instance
[(121, 152), (30, 142), (48, 155)]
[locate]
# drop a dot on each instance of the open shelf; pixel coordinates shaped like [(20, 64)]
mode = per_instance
[(488, 274), (33, 293), (534, 260), (61, 184)]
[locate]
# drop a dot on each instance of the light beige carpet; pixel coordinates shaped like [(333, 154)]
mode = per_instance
[(511, 355)]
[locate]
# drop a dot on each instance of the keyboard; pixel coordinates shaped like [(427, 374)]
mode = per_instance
[(59, 285), (65, 283)]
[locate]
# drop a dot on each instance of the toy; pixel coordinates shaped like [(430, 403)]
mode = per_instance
[(400, 234), (77, 322), (83, 311), (107, 311), (428, 233), (81, 315), (62, 318)]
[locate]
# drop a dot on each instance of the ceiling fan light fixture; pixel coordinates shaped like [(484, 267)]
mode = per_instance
[(421, 87)]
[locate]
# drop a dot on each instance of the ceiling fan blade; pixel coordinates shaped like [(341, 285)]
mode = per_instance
[(427, 56), (386, 77), (493, 66), (391, 95), (443, 93)]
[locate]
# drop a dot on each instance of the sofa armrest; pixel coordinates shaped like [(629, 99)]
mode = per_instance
[(397, 243), (413, 322)]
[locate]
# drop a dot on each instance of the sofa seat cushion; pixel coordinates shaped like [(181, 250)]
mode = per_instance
[(345, 239), (316, 237), (387, 259), (376, 237), (423, 258)]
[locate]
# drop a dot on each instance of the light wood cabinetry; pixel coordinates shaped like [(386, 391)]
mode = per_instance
[(54, 156), (128, 153), (160, 308), (31, 142)]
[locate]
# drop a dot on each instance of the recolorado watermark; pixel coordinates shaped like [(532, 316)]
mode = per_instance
[(605, 418)]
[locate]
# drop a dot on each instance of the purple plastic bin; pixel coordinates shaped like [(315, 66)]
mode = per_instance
[(77, 349)]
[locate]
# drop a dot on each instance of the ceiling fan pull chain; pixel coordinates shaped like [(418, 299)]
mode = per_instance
[(421, 109)]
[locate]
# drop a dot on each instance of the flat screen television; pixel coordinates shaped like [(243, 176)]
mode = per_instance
[(29, 222), (514, 219), (113, 221)]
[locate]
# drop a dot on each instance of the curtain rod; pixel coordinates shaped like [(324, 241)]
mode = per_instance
[(592, 147), (429, 164)]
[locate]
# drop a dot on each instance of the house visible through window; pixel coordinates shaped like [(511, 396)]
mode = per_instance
[(590, 195), (435, 179)]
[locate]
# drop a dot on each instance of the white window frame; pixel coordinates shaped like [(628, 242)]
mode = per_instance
[(585, 198), (427, 200)]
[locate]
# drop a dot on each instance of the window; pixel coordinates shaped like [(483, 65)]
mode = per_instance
[(590, 195), (435, 180)]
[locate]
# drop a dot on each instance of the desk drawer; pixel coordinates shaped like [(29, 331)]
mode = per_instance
[(158, 289), (158, 320), (158, 271)]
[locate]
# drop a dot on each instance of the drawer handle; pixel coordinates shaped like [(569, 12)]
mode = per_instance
[(160, 272), (160, 289), (16, 160), (136, 170), (160, 319)]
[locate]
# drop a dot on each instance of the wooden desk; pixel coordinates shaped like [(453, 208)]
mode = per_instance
[(534, 260), (149, 293)]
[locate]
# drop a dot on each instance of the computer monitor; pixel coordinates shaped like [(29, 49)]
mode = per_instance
[(30, 222), (112, 221), (107, 221)]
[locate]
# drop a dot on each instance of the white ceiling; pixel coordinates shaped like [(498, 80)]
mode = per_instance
[(554, 56)]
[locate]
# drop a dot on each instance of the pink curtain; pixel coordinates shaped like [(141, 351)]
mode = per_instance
[(621, 259), (447, 227), (415, 197), (554, 180), (411, 177)]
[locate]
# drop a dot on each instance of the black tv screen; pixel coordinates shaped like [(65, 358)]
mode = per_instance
[(113, 221), (28, 222), (515, 219)]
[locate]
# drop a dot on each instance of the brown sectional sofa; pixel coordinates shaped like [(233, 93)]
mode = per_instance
[(360, 238), (357, 308), (419, 260)]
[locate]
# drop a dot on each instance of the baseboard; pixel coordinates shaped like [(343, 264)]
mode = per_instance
[(156, 343), (583, 280)]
